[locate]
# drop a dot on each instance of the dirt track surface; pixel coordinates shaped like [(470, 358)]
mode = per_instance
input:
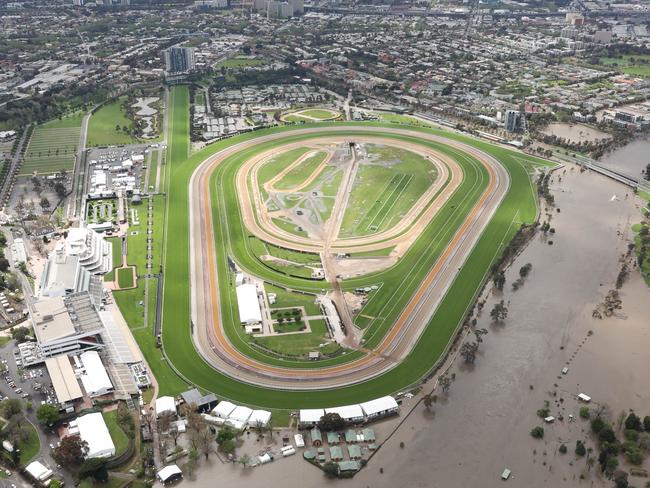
[(210, 337)]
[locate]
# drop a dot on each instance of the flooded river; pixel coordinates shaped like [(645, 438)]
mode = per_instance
[(631, 158)]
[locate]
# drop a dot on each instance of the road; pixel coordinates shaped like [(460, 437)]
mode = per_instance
[(209, 335)]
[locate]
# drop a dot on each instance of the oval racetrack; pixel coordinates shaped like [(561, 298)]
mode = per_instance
[(209, 336)]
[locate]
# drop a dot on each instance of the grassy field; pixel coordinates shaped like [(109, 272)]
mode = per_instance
[(102, 128), (125, 277), (31, 447), (120, 439), (518, 206), (52, 147), (630, 64), (384, 189), (240, 62)]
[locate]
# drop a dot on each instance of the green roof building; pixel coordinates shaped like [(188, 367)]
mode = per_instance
[(355, 452), (336, 453)]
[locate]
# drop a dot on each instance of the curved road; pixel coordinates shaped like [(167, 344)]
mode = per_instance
[(209, 335)]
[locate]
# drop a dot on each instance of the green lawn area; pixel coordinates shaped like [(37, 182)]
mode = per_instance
[(113, 482), (642, 245), (52, 148), (518, 206), (299, 174), (199, 97), (516, 89), (4, 340), (385, 189), (403, 119), (31, 447), (102, 126), (240, 62), (630, 64), (67, 122), (125, 277), (120, 439)]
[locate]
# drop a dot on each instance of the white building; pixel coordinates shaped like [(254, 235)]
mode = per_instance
[(349, 413), (223, 409), (380, 407), (70, 265), (93, 430), (250, 313), (259, 418), (310, 416), (38, 471), (165, 404), (238, 418), (95, 378)]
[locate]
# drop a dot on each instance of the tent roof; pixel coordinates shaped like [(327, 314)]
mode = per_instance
[(169, 471), (379, 405), (93, 430), (347, 412), (223, 409), (165, 404), (311, 414), (248, 304)]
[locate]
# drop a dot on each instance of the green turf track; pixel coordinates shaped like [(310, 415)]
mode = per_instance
[(518, 206)]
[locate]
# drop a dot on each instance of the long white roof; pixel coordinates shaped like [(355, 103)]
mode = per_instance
[(96, 378), (379, 405), (93, 430), (310, 415), (347, 412), (248, 304)]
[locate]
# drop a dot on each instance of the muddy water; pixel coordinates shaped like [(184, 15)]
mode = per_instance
[(575, 132), (631, 158), (483, 425)]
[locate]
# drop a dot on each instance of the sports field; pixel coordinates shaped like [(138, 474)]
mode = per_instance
[(52, 147), (183, 365)]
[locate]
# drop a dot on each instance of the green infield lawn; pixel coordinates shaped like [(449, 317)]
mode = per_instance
[(385, 188), (188, 367), (106, 125)]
